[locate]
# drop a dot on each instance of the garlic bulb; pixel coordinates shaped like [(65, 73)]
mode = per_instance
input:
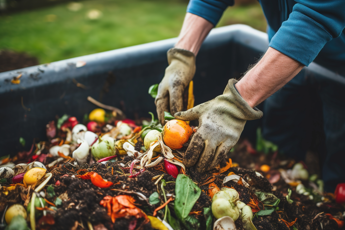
[(6, 172)]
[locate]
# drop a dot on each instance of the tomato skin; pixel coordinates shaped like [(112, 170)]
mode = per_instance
[(340, 193), (98, 181)]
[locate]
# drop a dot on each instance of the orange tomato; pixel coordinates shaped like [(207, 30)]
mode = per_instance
[(265, 168), (176, 133)]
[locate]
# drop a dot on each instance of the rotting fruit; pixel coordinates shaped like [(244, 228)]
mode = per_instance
[(176, 133)]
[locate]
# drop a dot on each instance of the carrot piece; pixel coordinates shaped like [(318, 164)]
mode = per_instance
[(213, 189), (228, 165), (52, 204), (162, 206), (289, 224)]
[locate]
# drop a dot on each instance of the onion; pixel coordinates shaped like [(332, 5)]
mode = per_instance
[(13, 211), (106, 159), (223, 207), (81, 153), (6, 172), (90, 137), (104, 147), (150, 137), (18, 178)]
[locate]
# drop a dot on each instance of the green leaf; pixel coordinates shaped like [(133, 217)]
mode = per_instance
[(3, 180), (288, 197), (168, 116), (58, 201), (153, 90), (61, 120), (50, 191), (154, 198), (263, 145), (191, 223), (22, 141), (17, 223), (187, 193), (208, 218), (266, 212), (174, 223), (267, 198)]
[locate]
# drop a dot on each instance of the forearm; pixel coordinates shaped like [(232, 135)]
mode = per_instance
[(193, 32), (271, 73)]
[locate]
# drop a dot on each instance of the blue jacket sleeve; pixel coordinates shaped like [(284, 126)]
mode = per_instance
[(211, 10), (311, 24)]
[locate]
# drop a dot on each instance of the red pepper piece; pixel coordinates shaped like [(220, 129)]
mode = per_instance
[(86, 176), (98, 181)]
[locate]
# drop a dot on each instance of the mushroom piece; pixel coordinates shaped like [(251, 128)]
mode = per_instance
[(224, 223)]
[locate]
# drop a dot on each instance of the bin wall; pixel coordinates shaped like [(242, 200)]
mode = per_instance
[(120, 78)]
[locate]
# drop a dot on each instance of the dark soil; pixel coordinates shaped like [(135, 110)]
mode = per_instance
[(10, 60)]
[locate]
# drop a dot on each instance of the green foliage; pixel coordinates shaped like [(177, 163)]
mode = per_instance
[(153, 90), (58, 201), (154, 198), (122, 24), (208, 218), (174, 223), (262, 145), (37, 204), (168, 116), (288, 197), (17, 223), (22, 141), (191, 222), (266, 212), (61, 120), (187, 193), (50, 191)]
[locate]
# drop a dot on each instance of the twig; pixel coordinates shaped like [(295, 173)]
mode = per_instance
[(103, 106), (22, 102), (79, 84), (162, 206)]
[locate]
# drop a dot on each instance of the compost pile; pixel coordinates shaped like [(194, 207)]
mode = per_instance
[(116, 173)]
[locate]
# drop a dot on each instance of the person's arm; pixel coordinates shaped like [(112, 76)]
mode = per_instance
[(271, 73), (193, 33), (296, 44)]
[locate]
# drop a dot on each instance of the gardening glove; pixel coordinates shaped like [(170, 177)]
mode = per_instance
[(177, 76), (221, 122)]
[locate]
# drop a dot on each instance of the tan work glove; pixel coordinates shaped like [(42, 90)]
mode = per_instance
[(221, 122), (177, 76)]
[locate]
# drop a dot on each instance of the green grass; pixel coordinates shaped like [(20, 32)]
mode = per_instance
[(122, 23)]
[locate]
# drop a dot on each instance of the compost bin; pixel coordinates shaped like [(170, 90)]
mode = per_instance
[(135, 170), (121, 78)]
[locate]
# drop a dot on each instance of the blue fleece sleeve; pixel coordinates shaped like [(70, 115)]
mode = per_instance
[(310, 26), (211, 10)]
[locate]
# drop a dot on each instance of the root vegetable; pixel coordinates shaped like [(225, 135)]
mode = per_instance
[(124, 129), (92, 126), (81, 153), (223, 207), (6, 172), (104, 147), (151, 137), (13, 211)]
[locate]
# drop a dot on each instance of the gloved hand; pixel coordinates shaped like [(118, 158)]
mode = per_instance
[(177, 76), (221, 122)]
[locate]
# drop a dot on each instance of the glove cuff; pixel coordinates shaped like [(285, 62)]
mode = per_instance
[(185, 56), (246, 111)]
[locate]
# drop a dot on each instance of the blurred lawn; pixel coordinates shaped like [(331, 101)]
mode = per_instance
[(57, 33)]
